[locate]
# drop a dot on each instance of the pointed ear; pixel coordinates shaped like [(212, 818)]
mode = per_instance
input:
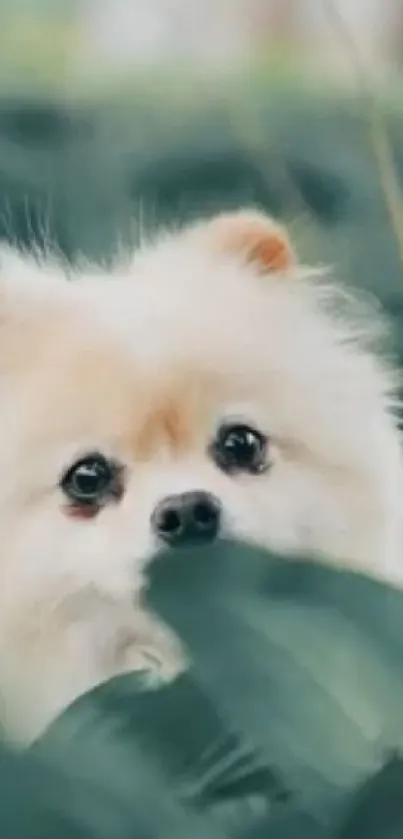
[(254, 237)]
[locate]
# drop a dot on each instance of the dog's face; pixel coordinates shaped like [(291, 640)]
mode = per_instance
[(200, 392)]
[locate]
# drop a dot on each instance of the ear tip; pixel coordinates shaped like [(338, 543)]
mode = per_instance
[(260, 238)]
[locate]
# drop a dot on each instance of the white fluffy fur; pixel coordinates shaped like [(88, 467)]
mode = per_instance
[(287, 359)]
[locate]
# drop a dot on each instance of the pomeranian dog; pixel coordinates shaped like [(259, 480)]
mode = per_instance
[(208, 386)]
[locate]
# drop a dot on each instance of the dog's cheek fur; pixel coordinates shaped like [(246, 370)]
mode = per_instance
[(304, 510), (71, 612)]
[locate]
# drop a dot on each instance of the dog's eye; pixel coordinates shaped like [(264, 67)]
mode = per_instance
[(239, 448), (91, 480)]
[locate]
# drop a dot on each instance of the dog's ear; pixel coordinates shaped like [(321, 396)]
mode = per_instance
[(254, 237)]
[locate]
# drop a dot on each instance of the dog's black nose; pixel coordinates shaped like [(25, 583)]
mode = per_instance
[(190, 518)]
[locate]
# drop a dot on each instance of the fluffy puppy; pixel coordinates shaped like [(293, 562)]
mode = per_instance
[(208, 386)]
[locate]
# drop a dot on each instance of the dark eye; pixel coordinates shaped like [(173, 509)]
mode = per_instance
[(91, 481), (239, 448)]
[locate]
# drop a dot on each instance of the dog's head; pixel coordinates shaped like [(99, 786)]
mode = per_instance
[(206, 388)]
